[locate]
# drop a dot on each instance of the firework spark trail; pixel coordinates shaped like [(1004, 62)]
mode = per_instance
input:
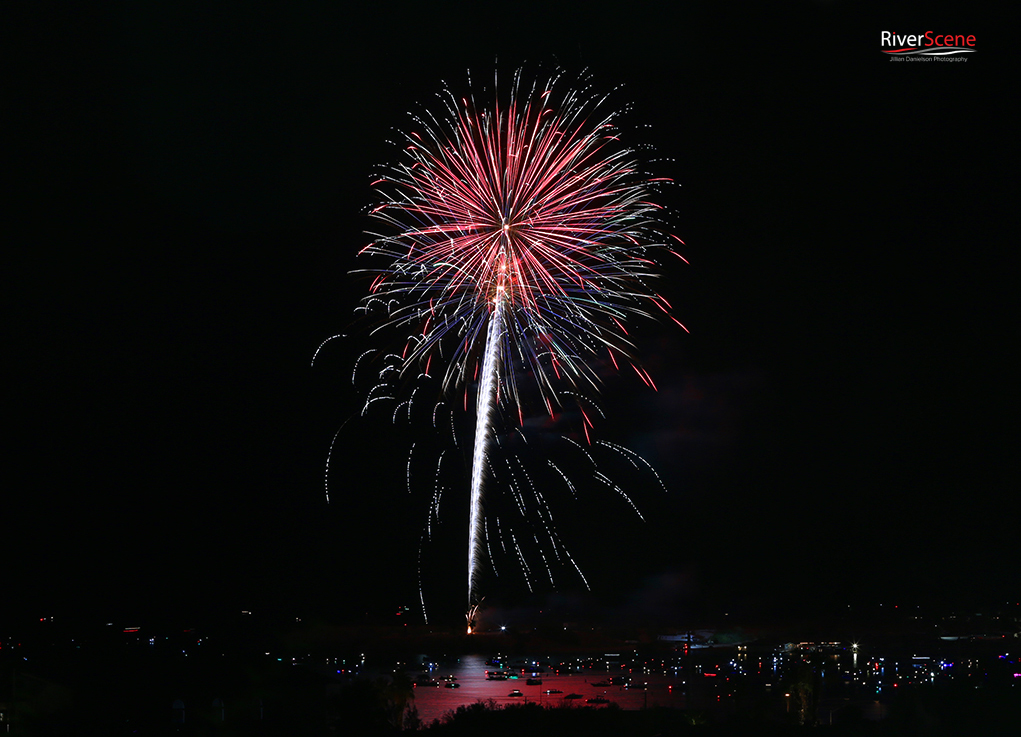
[(499, 533), (515, 491), (408, 472), (434, 505), (563, 475), (632, 456), (483, 430), (421, 593), (489, 549), (365, 409), (398, 409), (602, 477), (316, 354), (524, 566)]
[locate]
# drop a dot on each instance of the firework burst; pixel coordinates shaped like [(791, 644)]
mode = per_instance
[(517, 240)]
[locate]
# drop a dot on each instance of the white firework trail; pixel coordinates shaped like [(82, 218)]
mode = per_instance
[(332, 337), (489, 550), (524, 565), (410, 454), (634, 457), (545, 563), (329, 456), (602, 477), (563, 475), (579, 446), (499, 535), (487, 400), (365, 409), (421, 592), (406, 403)]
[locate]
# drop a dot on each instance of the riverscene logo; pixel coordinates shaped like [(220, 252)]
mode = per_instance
[(927, 46)]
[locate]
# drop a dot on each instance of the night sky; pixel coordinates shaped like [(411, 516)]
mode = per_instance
[(185, 195)]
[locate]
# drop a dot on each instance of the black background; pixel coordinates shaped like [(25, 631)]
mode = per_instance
[(185, 197)]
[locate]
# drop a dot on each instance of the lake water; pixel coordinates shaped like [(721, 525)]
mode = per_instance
[(653, 689)]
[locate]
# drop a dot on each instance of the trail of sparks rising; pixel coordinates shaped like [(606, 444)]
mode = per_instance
[(487, 400), (518, 240)]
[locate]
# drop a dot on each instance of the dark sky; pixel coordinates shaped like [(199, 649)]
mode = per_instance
[(185, 194)]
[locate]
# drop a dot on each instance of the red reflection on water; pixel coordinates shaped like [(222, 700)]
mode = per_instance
[(651, 690)]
